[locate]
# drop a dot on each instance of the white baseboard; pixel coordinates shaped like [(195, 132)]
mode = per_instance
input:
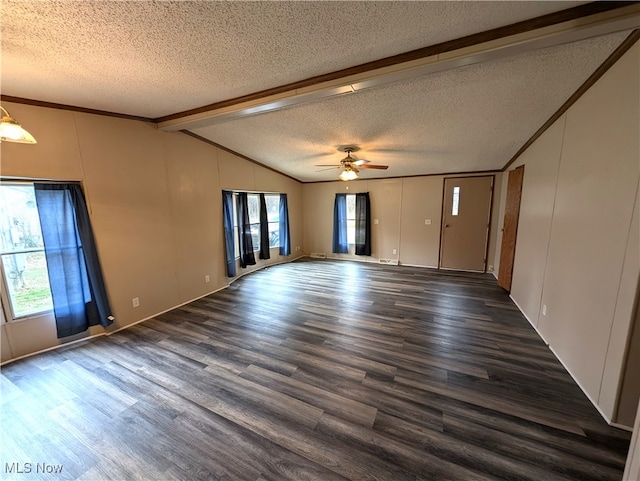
[(392, 262), (529, 321), (575, 379), (621, 426), (165, 311), (248, 271), (109, 333), (417, 265), (52, 348), (353, 259), (595, 404)]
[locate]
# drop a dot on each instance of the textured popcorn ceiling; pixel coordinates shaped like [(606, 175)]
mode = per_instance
[(473, 118), (153, 59)]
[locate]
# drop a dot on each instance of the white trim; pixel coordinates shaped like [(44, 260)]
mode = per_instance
[(93, 336), (621, 426), (606, 418), (569, 31), (462, 270), (353, 259), (202, 296), (391, 262), (109, 333), (254, 269), (632, 466), (417, 265), (165, 311), (530, 322), (575, 379)]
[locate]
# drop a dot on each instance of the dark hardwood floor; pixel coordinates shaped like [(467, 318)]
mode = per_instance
[(314, 370)]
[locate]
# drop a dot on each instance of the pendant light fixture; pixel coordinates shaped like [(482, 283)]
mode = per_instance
[(349, 173), (12, 131)]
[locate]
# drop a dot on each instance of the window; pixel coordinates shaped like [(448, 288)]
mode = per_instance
[(352, 224), (455, 203), (273, 216), (268, 220), (253, 201), (24, 268), (236, 242), (65, 277), (351, 219)]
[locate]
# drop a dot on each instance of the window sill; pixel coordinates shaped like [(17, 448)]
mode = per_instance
[(37, 315)]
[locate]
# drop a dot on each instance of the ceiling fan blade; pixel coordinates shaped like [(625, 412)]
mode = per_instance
[(311, 156), (381, 167), (360, 162)]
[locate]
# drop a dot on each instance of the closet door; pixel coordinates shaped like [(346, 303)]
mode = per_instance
[(510, 227)]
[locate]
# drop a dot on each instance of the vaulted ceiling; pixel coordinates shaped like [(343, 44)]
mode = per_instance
[(424, 87)]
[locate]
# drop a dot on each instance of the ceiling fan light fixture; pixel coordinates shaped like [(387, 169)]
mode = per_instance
[(12, 131), (348, 174)]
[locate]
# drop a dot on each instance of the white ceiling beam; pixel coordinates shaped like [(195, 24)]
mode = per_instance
[(626, 18)]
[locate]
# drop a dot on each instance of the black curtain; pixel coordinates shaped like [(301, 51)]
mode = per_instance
[(340, 243), (75, 276), (285, 239), (227, 220), (363, 224), (244, 232), (264, 229)]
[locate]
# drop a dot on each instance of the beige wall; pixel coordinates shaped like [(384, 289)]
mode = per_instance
[(155, 205), (632, 467), (630, 388), (499, 196), (400, 207), (5, 348), (154, 199), (541, 163), (318, 215), (577, 248), (421, 200)]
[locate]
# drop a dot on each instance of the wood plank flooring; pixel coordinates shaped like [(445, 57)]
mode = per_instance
[(314, 370)]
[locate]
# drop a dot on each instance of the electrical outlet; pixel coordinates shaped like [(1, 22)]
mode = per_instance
[(297, 248), (135, 302), (207, 278), (427, 222), (395, 251)]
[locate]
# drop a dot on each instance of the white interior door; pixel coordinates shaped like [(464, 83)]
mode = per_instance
[(465, 223)]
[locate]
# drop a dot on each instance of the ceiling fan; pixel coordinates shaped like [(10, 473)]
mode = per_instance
[(350, 166)]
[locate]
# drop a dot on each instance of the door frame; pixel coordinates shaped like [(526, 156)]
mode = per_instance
[(490, 220), (505, 279)]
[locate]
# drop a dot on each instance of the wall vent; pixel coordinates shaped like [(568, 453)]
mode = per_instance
[(318, 255), (393, 262)]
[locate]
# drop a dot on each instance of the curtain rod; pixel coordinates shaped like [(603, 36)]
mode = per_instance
[(253, 192), (42, 181)]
